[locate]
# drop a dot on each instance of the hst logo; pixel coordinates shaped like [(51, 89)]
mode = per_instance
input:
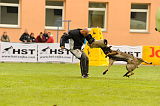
[(11, 50), (48, 50)]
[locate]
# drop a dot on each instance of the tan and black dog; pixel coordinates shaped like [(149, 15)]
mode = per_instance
[(115, 55)]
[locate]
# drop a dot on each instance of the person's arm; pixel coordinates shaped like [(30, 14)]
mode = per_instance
[(8, 40), (44, 39), (22, 38), (2, 39), (90, 39), (48, 40), (37, 41), (64, 38), (33, 39)]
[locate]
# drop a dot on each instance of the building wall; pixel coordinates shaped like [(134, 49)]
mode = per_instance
[(32, 17), (118, 28)]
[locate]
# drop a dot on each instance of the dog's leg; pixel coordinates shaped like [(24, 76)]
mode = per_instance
[(131, 73), (110, 64), (130, 68), (126, 74)]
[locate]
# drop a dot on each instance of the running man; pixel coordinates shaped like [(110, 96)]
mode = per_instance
[(77, 38)]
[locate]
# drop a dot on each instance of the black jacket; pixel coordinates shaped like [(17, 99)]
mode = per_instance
[(25, 37), (46, 36), (77, 37)]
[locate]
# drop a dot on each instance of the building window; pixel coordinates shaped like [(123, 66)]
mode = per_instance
[(9, 13), (97, 11), (54, 14), (139, 18)]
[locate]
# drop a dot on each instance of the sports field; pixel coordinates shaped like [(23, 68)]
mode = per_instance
[(46, 84)]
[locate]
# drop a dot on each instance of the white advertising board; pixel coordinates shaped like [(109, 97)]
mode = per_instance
[(52, 53), (18, 52)]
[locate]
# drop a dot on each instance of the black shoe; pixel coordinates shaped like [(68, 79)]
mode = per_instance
[(85, 76)]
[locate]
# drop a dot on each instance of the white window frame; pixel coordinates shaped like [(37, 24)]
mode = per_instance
[(10, 25), (99, 9), (55, 7), (147, 20)]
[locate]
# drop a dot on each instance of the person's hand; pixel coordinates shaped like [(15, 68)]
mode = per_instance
[(62, 47)]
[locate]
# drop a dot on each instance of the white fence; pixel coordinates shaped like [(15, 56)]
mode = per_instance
[(36, 52), (47, 52)]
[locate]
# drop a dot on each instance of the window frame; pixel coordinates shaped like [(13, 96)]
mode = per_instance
[(55, 7), (11, 5), (99, 9), (147, 20)]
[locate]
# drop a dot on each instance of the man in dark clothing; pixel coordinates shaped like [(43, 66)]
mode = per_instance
[(45, 34), (25, 37), (77, 38)]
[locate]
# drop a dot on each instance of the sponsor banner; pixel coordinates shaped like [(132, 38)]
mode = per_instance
[(47, 52), (75, 60), (52, 53), (133, 50), (0, 52), (152, 54), (18, 52)]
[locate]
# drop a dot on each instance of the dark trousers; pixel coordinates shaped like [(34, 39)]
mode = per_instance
[(84, 61)]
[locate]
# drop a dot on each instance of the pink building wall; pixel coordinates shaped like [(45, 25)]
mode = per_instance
[(32, 17)]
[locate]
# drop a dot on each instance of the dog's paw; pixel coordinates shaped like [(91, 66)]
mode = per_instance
[(126, 76), (104, 73)]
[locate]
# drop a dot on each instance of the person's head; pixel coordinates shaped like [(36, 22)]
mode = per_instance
[(49, 34), (32, 34), (4, 33), (25, 31), (45, 31), (41, 34), (84, 32)]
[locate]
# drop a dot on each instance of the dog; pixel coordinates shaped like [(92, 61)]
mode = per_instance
[(116, 55)]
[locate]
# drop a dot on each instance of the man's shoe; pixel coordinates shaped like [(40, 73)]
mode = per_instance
[(84, 76)]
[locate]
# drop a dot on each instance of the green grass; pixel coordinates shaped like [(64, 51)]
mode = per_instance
[(40, 84)]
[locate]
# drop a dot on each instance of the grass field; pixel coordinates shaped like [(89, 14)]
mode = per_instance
[(46, 84)]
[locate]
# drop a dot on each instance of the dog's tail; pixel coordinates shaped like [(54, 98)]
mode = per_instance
[(147, 62), (140, 59)]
